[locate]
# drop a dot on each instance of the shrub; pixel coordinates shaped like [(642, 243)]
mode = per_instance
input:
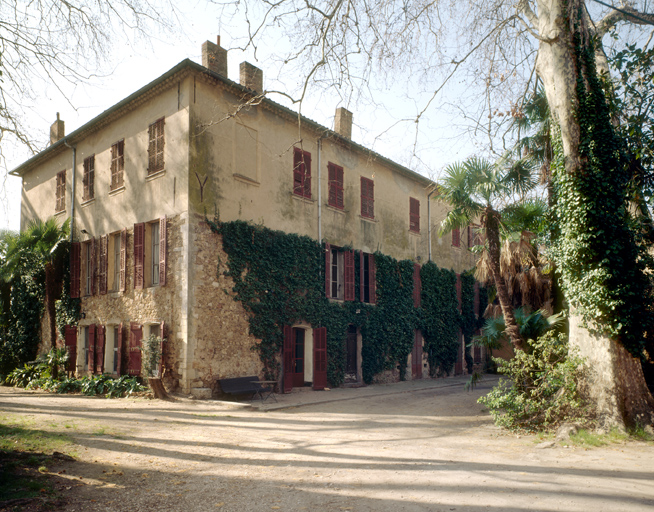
[(541, 388)]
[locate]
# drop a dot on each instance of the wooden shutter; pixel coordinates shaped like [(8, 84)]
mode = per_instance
[(156, 146), (93, 270), (104, 263), (288, 359), (74, 270), (99, 348), (91, 356), (372, 279), (335, 177), (139, 256), (307, 174), (162, 250), (319, 358), (414, 215), (456, 237), (367, 198), (328, 258), (135, 337), (119, 352), (348, 276), (123, 259), (70, 339), (417, 285)]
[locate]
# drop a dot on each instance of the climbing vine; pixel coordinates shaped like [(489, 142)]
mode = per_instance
[(602, 262), (279, 279)]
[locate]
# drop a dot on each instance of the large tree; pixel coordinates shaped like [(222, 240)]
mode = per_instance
[(497, 47)]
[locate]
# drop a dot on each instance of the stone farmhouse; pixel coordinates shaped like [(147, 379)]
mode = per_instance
[(139, 181)]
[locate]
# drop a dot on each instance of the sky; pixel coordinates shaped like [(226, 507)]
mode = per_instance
[(386, 124)]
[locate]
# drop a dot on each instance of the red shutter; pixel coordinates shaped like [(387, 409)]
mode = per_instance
[(367, 198), (70, 339), (119, 346), (139, 255), (288, 359), (104, 263), (91, 357), (414, 215), (331, 177), (162, 250), (99, 349), (74, 270), (458, 290), (307, 174), (335, 173), (135, 337), (328, 257), (339, 187), (349, 275), (372, 279), (417, 285), (361, 277), (320, 358), (123, 259), (456, 237), (93, 270), (298, 172)]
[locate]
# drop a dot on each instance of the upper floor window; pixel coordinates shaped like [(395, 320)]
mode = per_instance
[(335, 176), (339, 273), (60, 203), (456, 237), (87, 275), (89, 178), (367, 278), (117, 164), (302, 173), (156, 146), (414, 215), (150, 254), (367, 198)]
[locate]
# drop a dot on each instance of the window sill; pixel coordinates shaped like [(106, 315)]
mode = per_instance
[(117, 190), (246, 180), (335, 209), (155, 175), (303, 199), (86, 202), (414, 233), (59, 213), (367, 219)]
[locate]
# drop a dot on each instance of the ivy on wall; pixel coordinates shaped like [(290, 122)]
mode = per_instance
[(67, 309), (279, 279)]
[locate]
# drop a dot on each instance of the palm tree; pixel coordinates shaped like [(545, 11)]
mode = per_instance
[(45, 244), (473, 189)]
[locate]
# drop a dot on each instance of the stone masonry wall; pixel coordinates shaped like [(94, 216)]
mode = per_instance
[(218, 324)]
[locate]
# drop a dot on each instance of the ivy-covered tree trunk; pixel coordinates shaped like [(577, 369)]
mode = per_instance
[(599, 267), (491, 223)]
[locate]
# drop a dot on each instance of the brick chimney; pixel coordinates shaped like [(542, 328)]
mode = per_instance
[(343, 122), (251, 77), (214, 57), (57, 130)]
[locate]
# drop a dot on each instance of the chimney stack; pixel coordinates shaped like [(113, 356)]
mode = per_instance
[(57, 130), (343, 122), (214, 57), (251, 77)]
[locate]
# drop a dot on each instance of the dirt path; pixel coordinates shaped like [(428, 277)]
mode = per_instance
[(426, 447)]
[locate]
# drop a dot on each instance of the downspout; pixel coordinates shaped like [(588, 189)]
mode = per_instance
[(429, 218), (319, 142), (72, 200)]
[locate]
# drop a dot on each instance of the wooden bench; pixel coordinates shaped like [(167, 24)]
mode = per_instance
[(246, 385)]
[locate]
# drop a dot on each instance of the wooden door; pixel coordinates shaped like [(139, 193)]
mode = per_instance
[(135, 337), (99, 349), (288, 359), (416, 356), (320, 358)]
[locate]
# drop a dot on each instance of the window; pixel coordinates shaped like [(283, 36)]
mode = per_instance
[(339, 273), (156, 146), (115, 349), (86, 338), (367, 278), (302, 173), (414, 215), (117, 164), (60, 203), (475, 236), (335, 185), (88, 178), (87, 267), (367, 198), (91, 349), (456, 237), (150, 254)]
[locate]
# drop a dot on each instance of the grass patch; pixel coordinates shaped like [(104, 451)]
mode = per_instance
[(585, 439)]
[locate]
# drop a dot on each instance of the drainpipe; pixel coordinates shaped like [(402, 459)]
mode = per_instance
[(319, 142), (72, 201), (429, 217)]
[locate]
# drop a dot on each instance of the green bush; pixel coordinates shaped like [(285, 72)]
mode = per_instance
[(541, 388)]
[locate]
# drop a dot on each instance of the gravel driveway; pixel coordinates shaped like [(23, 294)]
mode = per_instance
[(416, 446)]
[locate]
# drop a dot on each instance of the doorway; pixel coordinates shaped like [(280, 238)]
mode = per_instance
[(351, 363), (298, 357)]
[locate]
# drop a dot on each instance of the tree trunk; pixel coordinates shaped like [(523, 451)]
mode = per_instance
[(615, 383), (158, 389), (493, 234)]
